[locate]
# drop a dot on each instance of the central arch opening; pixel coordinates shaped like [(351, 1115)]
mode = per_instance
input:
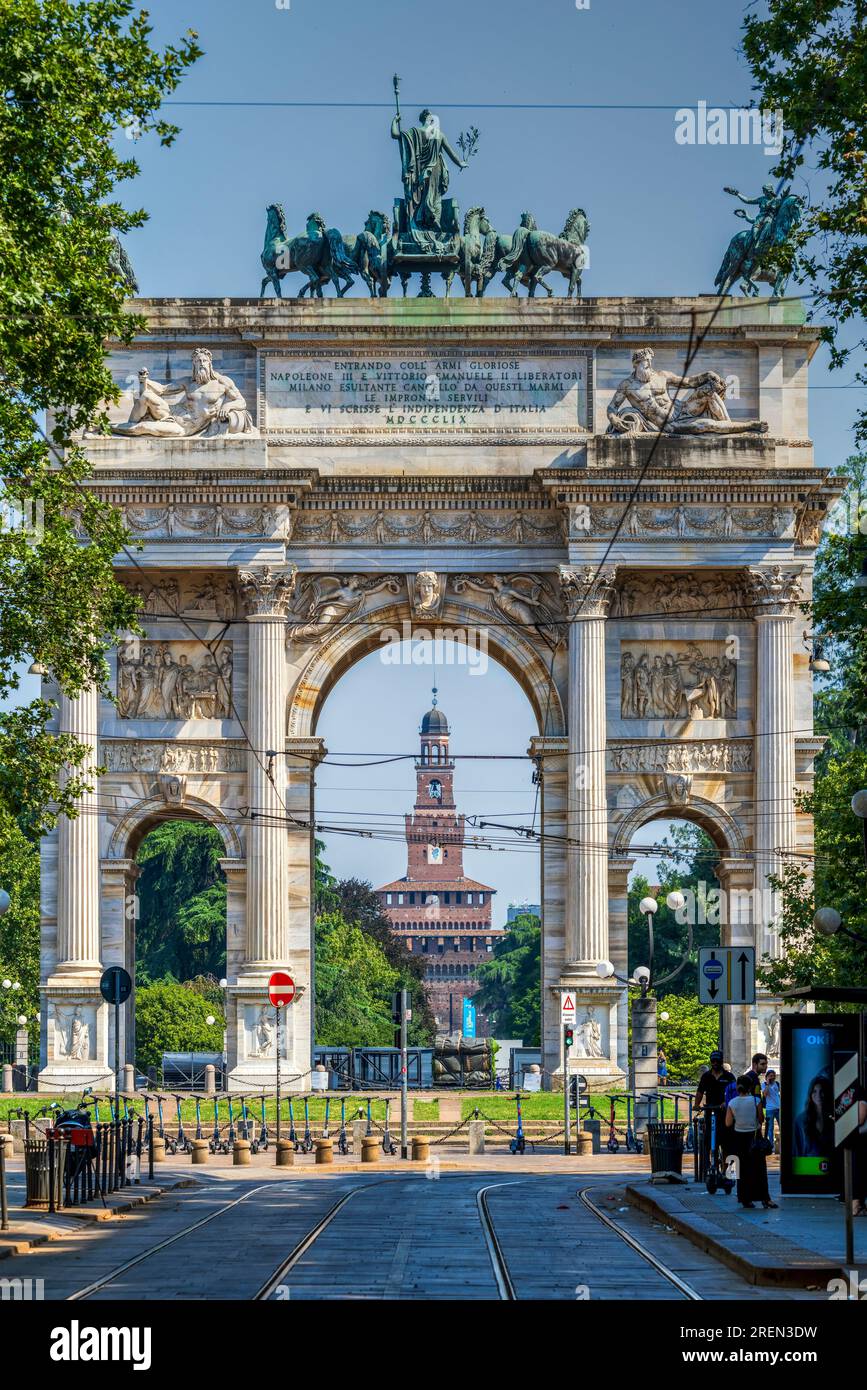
[(420, 805)]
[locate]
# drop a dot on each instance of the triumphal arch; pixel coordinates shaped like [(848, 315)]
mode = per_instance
[(631, 539)]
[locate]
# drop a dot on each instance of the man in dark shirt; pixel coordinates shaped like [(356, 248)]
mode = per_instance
[(710, 1096), (756, 1072)]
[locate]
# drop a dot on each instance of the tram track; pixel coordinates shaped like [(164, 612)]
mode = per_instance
[(506, 1279)]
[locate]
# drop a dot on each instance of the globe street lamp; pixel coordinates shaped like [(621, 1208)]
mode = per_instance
[(859, 807)]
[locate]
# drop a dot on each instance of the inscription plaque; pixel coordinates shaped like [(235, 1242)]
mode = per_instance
[(341, 394)]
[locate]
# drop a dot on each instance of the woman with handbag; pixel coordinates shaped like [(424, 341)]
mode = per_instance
[(744, 1117)]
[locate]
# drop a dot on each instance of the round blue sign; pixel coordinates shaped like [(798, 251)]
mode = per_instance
[(713, 969)]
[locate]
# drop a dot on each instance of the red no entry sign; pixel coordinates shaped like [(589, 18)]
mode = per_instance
[(281, 989)]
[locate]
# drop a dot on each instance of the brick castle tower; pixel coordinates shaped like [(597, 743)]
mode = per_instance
[(435, 909)]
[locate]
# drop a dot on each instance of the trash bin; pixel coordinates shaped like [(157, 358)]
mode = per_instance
[(665, 1141), (36, 1173), (699, 1157)]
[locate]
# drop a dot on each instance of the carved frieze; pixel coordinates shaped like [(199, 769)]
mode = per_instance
[(197, 595), (173, 680), (707, 755), (694, 595), (161, 757), (682, 522), (675, 680), (428, 527), (265, 523)]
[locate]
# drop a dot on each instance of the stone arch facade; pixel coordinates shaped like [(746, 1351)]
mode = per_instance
[(657, 636)]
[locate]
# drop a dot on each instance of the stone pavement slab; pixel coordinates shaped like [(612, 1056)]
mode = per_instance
[(797, 1246)]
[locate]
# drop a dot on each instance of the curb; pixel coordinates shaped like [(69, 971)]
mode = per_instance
[(738, 1253)]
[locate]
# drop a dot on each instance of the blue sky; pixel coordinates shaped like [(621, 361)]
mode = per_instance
[(574, 107)]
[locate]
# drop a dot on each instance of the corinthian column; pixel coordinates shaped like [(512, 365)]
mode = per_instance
[(586, 597), (266, 594), (776, 593), (78, 947)]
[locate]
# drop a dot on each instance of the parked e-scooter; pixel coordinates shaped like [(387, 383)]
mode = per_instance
[(613, 1142), (388, 1144), (245, 1128), (229, 1141), (182, 1143), (293, 1136), (342, 1138), (306, 1145), (715, 1176), (198, 1100), (171, 1146), (215, 1145), (326, 1133), (519, 1143), (263, 1132)]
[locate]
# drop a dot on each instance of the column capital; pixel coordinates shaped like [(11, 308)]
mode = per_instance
[(775, 591), (587, 592), (266, 592)]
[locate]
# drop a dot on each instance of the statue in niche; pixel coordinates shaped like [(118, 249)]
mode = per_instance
[(652, 409), (588, 1035), (263, 1035), (73, 1035), (207, 404)]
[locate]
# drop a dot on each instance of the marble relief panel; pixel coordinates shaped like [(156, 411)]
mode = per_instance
[(677, 680)]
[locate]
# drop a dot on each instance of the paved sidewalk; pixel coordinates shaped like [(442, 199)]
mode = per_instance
[(800, 1245), (29, 1228)]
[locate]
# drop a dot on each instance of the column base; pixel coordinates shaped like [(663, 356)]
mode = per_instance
[(594, 1049), (253, 1036)]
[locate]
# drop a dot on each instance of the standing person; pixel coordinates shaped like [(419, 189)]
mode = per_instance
[(710, 1096), (662, 1067), (771, 1102), (744, 1127), (859, 1194), (756, 1072)]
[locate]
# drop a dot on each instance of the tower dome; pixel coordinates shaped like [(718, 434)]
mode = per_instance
[(434, 722)]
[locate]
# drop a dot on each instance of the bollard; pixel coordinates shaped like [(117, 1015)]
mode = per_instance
[(200, 1151), (129, 1078), (583, 1143), (7, 1079), (594, 1129), (285, 1151), (241, 1153), (420, 1148), (358, 1128), (476, 1130), (159, 1149), (370, 1149), (324, 1150), (210, 1079)]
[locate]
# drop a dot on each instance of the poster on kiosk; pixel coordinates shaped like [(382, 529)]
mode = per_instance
[(809, 1159)]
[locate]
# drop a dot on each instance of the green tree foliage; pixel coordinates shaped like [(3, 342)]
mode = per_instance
[(509, 982), (181, 930), (357, 902), (171, 1018), (354, 983), (687, 1036), (686, 865), (19, 929), (839, 613), (809, 61), (72, 75)]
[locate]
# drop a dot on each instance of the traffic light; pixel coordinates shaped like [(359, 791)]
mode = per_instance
[(568, 1035)]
